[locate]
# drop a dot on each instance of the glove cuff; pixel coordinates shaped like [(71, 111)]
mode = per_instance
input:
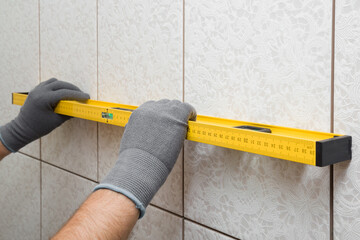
[(126, 193), (11, 137), (5, 145), (138, 175)]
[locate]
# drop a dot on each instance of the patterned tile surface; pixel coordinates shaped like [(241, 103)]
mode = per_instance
[(19, 49), (62, 194), (158, 225), (140, 50), (347, 115), (19, 198), (73, 146), (196, 232), (263, 62), (68, 52)]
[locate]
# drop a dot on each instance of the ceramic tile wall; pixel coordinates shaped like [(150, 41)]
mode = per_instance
[(347, 115), (257, 61), (157, 224), (19, 197), (194, 231), (264, 62), (68, 52), (19, 49), (62, 194)]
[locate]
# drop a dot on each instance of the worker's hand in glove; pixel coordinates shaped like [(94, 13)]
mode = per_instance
[(150, 145), (37, 117)]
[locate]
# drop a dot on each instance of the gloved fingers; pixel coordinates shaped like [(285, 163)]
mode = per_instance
[(182, 110), (191, 111), (51, 80), (66, 94), (163, 101), (57, 85)]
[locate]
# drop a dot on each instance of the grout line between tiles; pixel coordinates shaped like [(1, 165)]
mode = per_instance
[(183, 98), (192, 221), (212, 229), (97, 87), (183, 54), (97, 152), (68, 171), (165, 210), (25, 154), (43, 161), (332, 69), (40, 200), (40, 140), (332, 102), (39, 41), (97, 49), (51, 164)]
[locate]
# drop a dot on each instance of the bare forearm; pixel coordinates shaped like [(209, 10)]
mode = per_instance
[(3, 151), (104, 215)]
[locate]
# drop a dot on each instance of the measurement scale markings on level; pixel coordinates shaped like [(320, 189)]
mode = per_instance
[(309, 147)]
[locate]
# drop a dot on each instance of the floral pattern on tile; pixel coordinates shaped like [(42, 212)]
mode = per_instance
[(347, 115), (255, 197), (266, 62), (157, 224), (197, 232), (140, 50), (260, 61)]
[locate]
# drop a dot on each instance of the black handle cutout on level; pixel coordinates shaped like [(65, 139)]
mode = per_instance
[(124, 109), (258, 129)]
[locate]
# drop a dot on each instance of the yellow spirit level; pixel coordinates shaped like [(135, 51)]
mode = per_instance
[(303, 146)]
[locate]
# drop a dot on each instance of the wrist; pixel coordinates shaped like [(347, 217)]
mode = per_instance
[(138, 175), (104, 215), (3, 150), (12, 135)]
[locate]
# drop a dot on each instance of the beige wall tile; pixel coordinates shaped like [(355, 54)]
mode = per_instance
[(19, 48), (32, 149), (197, 232), (73, 146), (170, 194), (347, 113), (68, 42), (266, 62), (140, 51), (62, 194), (19, 198), (68, 52), (157, 224)]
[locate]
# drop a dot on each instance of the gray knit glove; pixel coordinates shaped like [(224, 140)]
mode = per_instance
[(37, 117), (150, 145)]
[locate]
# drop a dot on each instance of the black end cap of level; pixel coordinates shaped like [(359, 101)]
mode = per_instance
[(333, 150)]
